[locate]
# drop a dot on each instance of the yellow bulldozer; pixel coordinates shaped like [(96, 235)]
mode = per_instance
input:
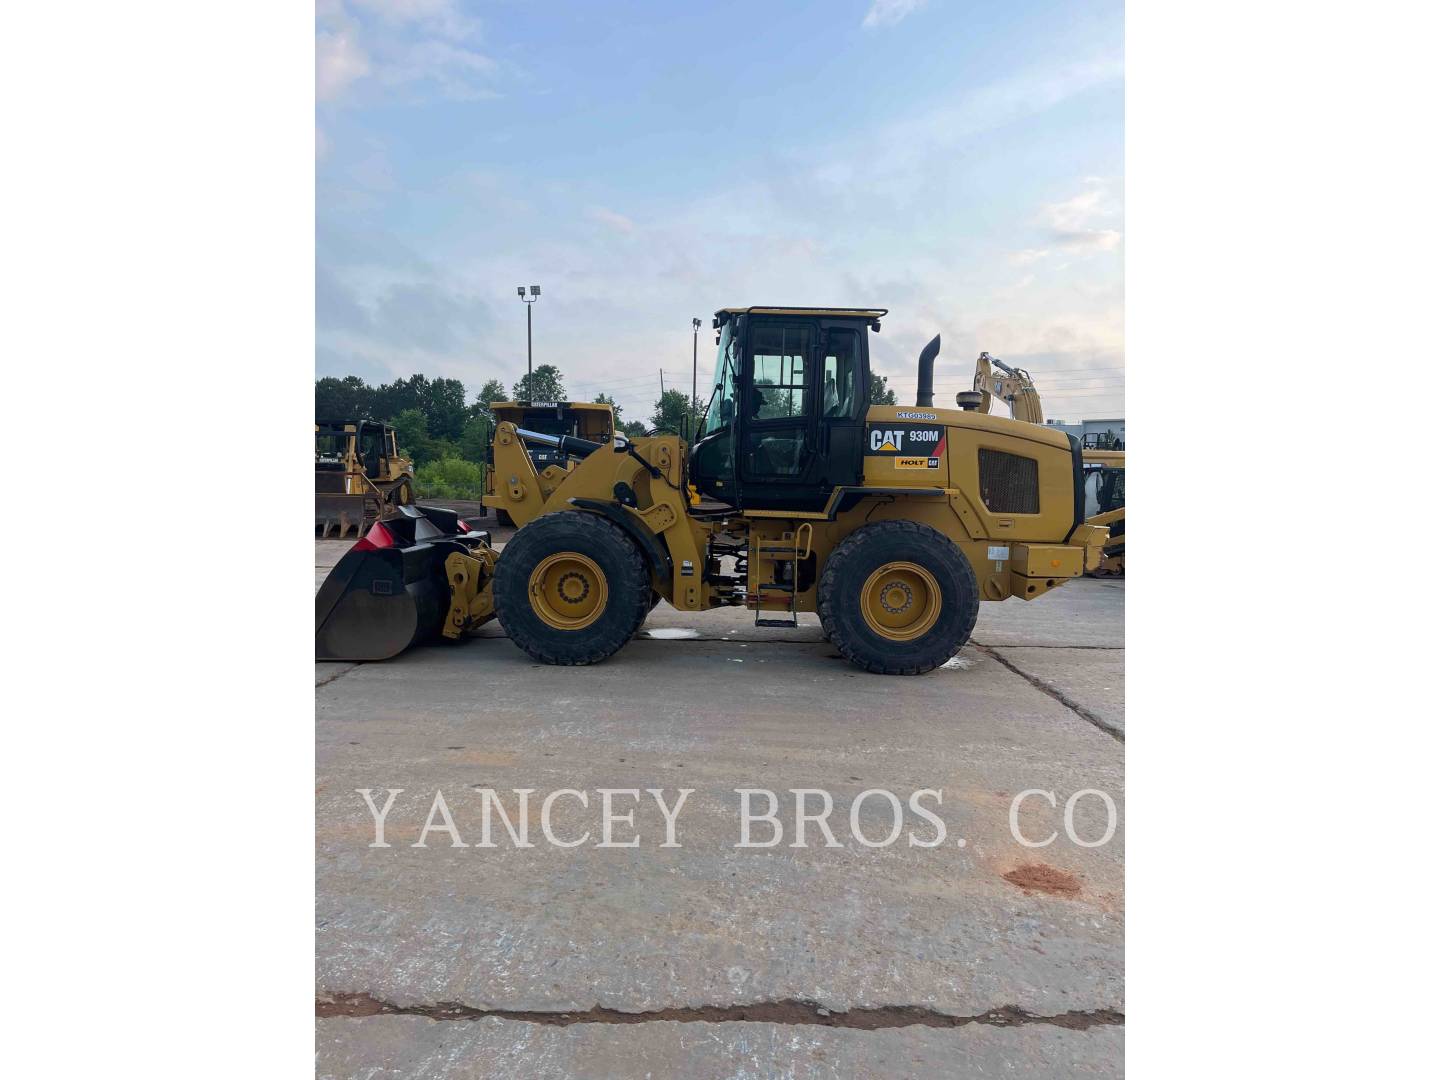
[(892, 523), (360, 477)]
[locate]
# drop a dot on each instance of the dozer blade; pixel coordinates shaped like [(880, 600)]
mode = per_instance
[(340, 515), (389, 591)]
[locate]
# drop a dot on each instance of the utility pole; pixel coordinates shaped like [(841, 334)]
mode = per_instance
[(529, 351), (694, 374)]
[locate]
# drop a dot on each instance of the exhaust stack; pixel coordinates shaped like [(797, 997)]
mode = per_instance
[(925, 385)]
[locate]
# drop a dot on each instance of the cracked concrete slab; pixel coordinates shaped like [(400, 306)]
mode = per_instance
[(1084, 613), (708, 925), (414, 1048), (1093, 679), (799, 1013)]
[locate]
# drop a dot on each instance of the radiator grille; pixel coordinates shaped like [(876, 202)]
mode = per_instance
[(1009, 483)]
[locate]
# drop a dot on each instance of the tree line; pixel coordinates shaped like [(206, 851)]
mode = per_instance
[(434, 420)]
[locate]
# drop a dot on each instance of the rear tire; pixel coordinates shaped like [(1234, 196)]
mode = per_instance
[(571, 588), (898, 598)]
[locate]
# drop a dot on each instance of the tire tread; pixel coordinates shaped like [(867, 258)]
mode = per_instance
[(512, 588), (838, 569)]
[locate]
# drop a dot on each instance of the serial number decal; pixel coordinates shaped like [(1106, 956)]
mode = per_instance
[(906, 414)]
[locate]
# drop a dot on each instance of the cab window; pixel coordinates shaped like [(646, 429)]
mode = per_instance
[(780, 357), (722, 410), (839, 395)]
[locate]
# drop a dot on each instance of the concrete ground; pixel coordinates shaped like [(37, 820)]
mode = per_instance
[(977, 959)]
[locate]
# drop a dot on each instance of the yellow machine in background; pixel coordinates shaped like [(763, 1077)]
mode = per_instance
[(1104, 458), (1012, 386), (1105, 500), (360, 477), (892, 523), (578, 419)]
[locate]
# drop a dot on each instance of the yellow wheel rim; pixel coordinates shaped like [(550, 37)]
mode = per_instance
[(568, 590), (900, 601)]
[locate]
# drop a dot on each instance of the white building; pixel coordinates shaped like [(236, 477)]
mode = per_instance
[(1081, 428)]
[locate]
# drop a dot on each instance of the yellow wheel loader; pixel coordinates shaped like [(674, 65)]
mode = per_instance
[(1103, 455), (582, 419), (360, 476), (892, 523), (1105, 500)]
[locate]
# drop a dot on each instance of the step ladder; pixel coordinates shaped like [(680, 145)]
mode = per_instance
[(792, 554)]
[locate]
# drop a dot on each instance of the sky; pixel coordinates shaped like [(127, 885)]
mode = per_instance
[(957, 162)]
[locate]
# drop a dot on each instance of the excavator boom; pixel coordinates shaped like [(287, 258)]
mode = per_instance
[(1012, 386)]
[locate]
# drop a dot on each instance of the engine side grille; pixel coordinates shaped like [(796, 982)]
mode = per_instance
[(1009, 483)]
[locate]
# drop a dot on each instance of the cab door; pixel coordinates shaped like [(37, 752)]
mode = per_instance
[(779, 430), (843, 384)]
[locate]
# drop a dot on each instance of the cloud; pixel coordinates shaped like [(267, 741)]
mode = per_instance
[(907, 170), (429, 46), (618, 222), (456, 72), (383, 311), (890, 12), (1075, 223), (339, 61), (370, 320), (811, 224), (1028, 256), (442, 17)]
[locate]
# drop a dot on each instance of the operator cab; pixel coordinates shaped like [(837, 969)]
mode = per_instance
[(370, 443), (786, 421)]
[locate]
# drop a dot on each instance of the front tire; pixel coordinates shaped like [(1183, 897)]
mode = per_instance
[(571, 588), (898, 598)]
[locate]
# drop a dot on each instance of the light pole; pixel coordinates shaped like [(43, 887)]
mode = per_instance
[(529, 357), (694, 373)]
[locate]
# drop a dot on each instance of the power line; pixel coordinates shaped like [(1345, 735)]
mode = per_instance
[(910, 373), (604, 386), (592, 380)]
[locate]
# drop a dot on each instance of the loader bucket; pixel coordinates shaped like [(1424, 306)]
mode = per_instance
[(389, 591)]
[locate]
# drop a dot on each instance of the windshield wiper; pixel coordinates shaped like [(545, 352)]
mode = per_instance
[(700, 423)]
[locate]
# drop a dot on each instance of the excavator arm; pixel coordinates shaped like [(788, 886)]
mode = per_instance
[(1012, 386)]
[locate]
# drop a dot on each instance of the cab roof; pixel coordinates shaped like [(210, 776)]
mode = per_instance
[(576, 405), (832, 312), (345, 425)]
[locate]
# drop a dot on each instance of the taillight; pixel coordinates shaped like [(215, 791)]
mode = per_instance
[(378, 537), (463, 524)]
